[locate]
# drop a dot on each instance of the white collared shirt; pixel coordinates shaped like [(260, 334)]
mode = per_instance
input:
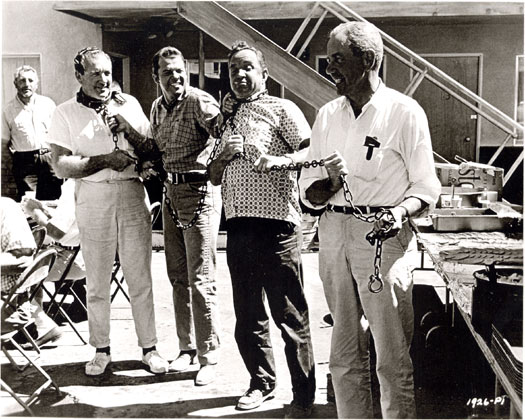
[(27, 125), (402, 166)]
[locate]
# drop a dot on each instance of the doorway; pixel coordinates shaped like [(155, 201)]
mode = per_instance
[(454, 128)]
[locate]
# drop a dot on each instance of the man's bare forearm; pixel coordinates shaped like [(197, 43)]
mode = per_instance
[(321, 191), (216, 169), (145, 147), (79, 166)]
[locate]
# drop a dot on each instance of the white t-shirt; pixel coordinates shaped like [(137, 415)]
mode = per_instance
[(84, 132)]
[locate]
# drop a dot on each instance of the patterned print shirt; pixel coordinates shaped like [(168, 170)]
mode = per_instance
[(272, 126), (15, 234), (182, 132)]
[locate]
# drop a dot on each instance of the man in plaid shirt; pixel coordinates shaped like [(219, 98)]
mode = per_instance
[(184, 121)]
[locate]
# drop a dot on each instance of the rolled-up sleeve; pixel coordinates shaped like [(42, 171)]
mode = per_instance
[(423, 181)]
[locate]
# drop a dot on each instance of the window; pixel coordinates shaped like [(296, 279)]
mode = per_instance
[(10, 62), (216, 79)]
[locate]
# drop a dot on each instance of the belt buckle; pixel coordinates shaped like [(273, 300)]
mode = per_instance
[(173, 178)]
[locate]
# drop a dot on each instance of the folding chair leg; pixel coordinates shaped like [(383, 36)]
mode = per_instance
[(17, 366), (37, 367), (68, 319), (17, 398), (119, 284), (70, 322), (30, 339)]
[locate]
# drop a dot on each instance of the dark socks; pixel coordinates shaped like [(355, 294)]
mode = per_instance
[(103, 350), (147, 350)]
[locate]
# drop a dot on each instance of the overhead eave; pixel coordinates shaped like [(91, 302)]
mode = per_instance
[(137, 11)]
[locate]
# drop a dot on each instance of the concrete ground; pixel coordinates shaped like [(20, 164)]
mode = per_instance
[(127, 389), (446, 368)]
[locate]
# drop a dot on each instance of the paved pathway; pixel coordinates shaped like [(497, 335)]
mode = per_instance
[(129, 390)]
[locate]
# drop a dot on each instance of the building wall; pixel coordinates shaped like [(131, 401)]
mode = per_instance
[(499, 39), (57, 37)]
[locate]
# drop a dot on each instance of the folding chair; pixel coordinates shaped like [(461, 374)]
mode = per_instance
[(154, 211), (39, 233), (16, 397), (65, 288), (31, 276), (117, 277)]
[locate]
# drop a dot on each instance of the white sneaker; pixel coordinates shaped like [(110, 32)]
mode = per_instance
[(155, 362), (98, 365)]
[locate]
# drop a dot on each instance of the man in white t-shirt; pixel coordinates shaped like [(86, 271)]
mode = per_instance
[(110, 203)]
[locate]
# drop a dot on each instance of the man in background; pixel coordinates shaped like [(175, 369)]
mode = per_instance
[(25, 124)]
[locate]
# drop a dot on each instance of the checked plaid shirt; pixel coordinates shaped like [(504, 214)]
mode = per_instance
[(184, 132)]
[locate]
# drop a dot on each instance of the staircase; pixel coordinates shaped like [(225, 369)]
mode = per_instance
[(313, 88)]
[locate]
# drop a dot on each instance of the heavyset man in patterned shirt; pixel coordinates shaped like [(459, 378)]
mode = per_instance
[(184, 121), (264, 233)]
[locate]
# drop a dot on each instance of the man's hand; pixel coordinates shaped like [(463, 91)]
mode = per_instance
[(335, 166), (389, 225), (118, 160), (233, 145), (265, 162), (228, 103), (117, 123), (29, 205), (148, 170)]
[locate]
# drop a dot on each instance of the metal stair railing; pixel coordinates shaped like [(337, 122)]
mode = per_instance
[(423, 70), (226, 28)]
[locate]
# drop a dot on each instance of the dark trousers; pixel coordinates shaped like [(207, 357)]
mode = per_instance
[(264, 258), (30, 168)]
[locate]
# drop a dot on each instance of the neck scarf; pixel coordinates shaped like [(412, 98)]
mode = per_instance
[(100, 106)]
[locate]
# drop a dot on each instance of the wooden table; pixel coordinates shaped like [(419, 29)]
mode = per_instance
[(455, 264)]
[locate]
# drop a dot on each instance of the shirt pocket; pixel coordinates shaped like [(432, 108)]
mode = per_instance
[(369, 169)]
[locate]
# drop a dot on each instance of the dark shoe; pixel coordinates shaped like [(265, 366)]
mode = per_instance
[(253, 398), (205, 375), (298, 411), (327, 319), (183, 361)]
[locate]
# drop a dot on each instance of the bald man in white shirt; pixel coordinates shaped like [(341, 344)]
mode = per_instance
[(376, 140)]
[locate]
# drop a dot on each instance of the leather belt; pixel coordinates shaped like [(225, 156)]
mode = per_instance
[(350, 210), (42, 151), (183, 178)]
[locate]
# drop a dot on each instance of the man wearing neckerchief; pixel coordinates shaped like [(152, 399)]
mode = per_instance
[(110, 208), (264, 230)]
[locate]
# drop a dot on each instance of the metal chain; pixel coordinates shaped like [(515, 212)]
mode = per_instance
[(204, 191), (202, 198), (376, 277), (371, 237)]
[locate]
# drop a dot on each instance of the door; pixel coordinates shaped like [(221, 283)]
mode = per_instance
[(453, 126)]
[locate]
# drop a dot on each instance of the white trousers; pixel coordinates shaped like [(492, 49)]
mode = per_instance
[(113, 217), (346, 261)]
